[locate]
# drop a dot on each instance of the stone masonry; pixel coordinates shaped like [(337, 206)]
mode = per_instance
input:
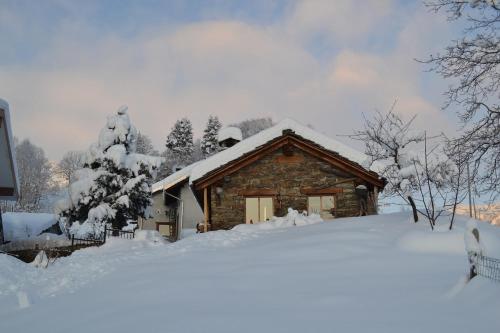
[(286, 175)]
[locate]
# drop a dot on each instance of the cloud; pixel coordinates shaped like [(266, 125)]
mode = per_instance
[(343, 22), (227, 67)]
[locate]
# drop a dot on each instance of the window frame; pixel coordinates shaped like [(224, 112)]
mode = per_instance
[(258, 197), (320, 196)]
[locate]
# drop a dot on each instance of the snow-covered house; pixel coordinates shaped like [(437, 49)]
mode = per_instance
[(9, 184), (174, 205), (286, 166)]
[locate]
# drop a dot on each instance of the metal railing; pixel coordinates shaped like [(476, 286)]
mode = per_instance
[(485, 266), (84, 242), (110, 232)]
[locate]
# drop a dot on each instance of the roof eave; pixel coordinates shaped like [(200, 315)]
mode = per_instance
[(272, 145), (4, 107)]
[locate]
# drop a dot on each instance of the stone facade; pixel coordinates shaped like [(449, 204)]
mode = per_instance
[(286, 176)]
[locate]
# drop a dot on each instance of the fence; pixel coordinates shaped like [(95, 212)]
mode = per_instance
[(485, 266), (84, 242), (109, 232), (27, 250)]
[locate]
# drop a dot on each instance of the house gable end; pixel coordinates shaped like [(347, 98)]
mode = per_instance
[(286, 141)]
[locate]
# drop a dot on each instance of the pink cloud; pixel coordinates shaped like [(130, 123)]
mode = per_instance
[(229, 68)]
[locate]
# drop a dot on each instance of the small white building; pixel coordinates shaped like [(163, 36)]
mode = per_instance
[(176, 209), (9, 184)]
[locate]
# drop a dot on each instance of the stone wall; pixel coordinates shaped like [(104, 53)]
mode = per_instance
[(286, 175)]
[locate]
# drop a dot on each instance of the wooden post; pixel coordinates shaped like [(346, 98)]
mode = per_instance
[(1, 224), (205, 207), (375, 194)]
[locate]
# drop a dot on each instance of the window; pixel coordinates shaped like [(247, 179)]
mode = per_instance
[(258, 209), (322, 205)]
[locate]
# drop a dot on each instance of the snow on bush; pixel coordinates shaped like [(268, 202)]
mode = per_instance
[(293, 218), (115, 184)]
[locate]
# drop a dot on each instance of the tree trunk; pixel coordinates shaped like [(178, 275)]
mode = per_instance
[(414, 208)]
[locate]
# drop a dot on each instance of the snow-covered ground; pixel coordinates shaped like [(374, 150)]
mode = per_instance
[(373, 274)]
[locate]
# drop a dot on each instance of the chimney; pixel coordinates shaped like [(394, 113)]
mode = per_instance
[(229, 136)]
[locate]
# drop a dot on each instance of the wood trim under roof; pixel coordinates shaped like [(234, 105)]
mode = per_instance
[(290, 138), (7, 191), (262, 192), (321, 191)]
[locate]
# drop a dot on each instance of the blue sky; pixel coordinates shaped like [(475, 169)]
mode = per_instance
[(65, 65)]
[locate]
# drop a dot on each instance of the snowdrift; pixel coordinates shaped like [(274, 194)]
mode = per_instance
[(292, 219), (293, 274)]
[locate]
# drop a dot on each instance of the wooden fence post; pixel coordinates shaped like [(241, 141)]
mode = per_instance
[(205, 208)]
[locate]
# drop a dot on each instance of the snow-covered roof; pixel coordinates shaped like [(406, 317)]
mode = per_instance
[(8, 153), (215, 161), (229, 133), (174, 178)]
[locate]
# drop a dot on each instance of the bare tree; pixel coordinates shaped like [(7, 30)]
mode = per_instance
[(419, 173), (435, 182), (71, 161), (388, 140), (458, 184), (34, 175), (473, 64)]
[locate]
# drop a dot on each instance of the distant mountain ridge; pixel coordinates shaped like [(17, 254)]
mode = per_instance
[(488, 213)]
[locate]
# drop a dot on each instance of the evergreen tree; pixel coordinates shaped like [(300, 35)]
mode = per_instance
[(180, 142), (114, 185), (209, 142), (145, 145)]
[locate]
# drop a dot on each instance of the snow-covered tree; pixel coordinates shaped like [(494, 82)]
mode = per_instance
[(197, 151), (472, 63), (145, 145), (35, 173), (69, 164), (251, 127), (180, 142), (435, 188), (209, 142), (114, 185), (388, 143), (420, 176)]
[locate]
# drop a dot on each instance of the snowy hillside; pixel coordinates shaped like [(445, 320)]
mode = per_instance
[(373, 274), (489, 213)]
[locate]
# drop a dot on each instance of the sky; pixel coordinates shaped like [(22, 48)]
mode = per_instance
[(66, 65)]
